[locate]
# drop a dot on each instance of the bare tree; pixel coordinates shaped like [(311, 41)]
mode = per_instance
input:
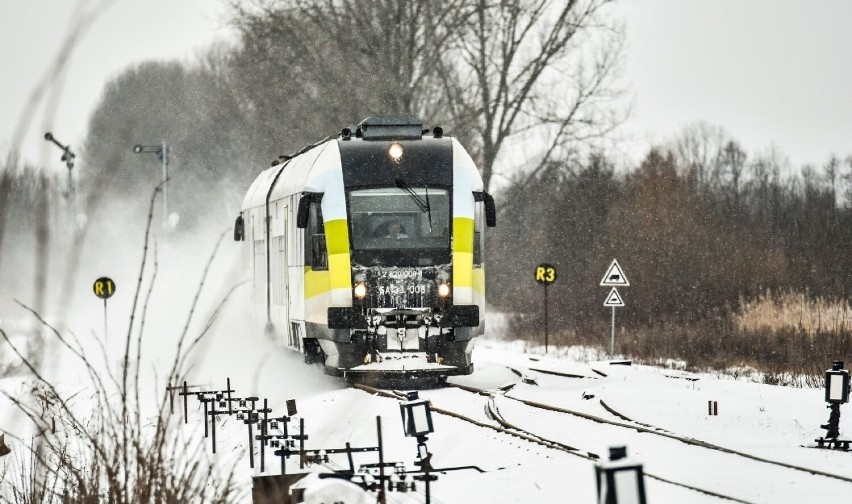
[(848, 178), (401, 42), (832, 174), (339, 60), (49, 88), (698, 147), (543, 67), (488, 71), (734, 161)]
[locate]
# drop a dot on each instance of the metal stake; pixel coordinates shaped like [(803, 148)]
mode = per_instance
[(105, 323), (546, 331), (263, 436), (165, 158), (284, 459), (230, 408), (213, 422), (184, 403), (251, 442), (301, 443), (204, 400), (382, 496), (612, 341), (349, 458)]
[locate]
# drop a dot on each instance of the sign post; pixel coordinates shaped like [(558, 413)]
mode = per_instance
[(614, 277), (545, 274), (104, 288)]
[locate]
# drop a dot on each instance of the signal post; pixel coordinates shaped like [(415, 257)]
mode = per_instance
[(545, 274), (614, 277)]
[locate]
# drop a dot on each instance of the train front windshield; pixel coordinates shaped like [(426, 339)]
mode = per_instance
[(400, 226)]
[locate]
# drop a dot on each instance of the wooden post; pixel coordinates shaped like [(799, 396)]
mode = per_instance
[(546, 329), (382, 496)]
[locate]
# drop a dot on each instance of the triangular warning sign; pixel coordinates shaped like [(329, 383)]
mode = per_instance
[(614, 276), (613, 299)]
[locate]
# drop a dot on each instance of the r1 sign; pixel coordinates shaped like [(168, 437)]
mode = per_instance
[(104, 287)]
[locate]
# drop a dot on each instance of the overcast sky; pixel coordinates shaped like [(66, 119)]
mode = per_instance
[(770, 71), (130, 31)]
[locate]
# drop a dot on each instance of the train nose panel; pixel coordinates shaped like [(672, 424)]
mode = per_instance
[(402, 338)]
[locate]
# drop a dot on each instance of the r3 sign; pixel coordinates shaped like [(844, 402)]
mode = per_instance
[(545, 274)]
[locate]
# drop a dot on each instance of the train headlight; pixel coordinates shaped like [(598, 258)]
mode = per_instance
[(360, 290), (443, 290), (395, 151)]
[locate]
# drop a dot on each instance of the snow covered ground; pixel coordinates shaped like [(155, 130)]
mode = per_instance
[(756, 420), (763, 421)]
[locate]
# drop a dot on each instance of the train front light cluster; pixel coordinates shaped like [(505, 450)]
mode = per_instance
[(360, 290), (443, 290)]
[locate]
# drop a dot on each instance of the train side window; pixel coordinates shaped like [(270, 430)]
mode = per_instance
[(316, 254), (478, 225)]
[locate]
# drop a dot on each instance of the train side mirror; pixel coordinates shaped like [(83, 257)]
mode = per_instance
[(490, 208), (304, 212), (305, 207), (239, 229), (490, 211)]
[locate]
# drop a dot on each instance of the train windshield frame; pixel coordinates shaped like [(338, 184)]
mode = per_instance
[(400, 226)]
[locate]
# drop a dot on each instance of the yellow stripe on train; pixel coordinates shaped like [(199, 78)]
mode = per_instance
[(339, 263), (339, 273), (462, 260), (337, 236), (463, 235), (479, 280), (316, 282)]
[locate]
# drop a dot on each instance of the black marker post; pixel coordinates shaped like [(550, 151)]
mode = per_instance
[(545, 274)]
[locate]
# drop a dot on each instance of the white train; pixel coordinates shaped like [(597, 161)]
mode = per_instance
[(366, 251)]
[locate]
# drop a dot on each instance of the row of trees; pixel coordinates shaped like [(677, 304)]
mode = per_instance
[(698, 224), (489, 73), (694, 236)]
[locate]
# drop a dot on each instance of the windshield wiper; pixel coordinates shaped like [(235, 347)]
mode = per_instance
[(429, 209), (422, 204)]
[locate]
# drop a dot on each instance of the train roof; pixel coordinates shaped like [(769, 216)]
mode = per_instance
[(345, 156)]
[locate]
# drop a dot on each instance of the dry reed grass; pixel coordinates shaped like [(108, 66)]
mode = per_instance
[(794, 310), (94, 446), (108, 452), (784, 340)]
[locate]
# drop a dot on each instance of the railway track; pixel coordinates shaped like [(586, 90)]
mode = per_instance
[(659, 431), (627, 423), (507, 428)]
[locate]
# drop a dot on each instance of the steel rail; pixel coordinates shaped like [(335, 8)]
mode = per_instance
[(662, 432), (494, 411), (512, 430)]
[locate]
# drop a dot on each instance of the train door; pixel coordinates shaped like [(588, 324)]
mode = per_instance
[(258, 262), (256, 246), (282, 276), (296, 262)]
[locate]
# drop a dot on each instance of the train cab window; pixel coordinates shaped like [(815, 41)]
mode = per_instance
[(478, 235), (316, 253), (397, 227)]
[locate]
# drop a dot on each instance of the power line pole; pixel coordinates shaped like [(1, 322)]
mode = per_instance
[(162, 152), (68, 157)]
